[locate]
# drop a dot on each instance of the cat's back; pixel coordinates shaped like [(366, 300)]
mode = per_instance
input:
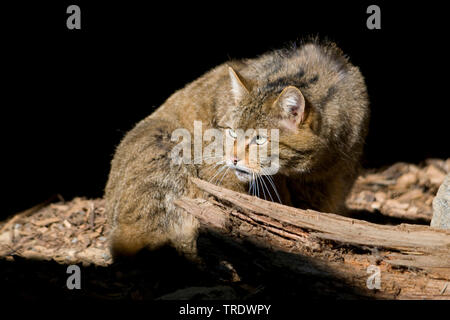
[(198, 100), (330, 83)]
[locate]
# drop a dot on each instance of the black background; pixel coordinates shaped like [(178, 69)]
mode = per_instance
[(68, 96)]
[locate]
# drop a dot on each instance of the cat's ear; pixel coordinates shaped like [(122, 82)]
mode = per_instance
[(238, 89), (292, 104)]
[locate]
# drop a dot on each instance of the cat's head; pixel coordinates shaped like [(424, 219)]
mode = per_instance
[(280, 122)]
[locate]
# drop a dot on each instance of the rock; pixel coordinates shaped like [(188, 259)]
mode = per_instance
[(441, 206)]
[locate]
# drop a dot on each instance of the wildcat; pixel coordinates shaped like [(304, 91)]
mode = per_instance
[(311, 93)]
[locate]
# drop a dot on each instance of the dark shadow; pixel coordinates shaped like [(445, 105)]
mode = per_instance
[(264, 274), (377, 217)]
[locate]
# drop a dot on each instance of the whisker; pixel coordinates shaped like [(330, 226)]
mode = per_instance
[(217, 172), (226, 171), (268, 191), (215, 165), (262, 186), (270, 179), (253, 184), (257, 185), (272, 183)]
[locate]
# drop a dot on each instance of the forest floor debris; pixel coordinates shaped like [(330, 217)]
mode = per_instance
[(61, 233)]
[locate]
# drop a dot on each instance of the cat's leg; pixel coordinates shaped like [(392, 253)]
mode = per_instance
[(140, 192), (325, 195), (127, 239), (148, 217), (280, 183), (318, 195), (338, 190), (183, 234)]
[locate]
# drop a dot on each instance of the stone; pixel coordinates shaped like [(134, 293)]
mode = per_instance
[(441, 206)]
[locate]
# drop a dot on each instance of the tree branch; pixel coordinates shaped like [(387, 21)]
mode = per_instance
[(414, 260)]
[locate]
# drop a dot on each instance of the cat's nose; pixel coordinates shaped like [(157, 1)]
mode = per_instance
[(234, 160)]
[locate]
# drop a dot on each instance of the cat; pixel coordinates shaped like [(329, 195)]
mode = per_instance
[(310, 93)]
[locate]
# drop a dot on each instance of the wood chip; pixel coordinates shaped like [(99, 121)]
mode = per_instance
[(67, 224), (45, 222)]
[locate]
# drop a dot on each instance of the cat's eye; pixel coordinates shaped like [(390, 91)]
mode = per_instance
[(260, 139), (232, 133)]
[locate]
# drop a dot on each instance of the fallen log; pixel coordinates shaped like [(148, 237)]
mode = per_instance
[(412, 261)]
